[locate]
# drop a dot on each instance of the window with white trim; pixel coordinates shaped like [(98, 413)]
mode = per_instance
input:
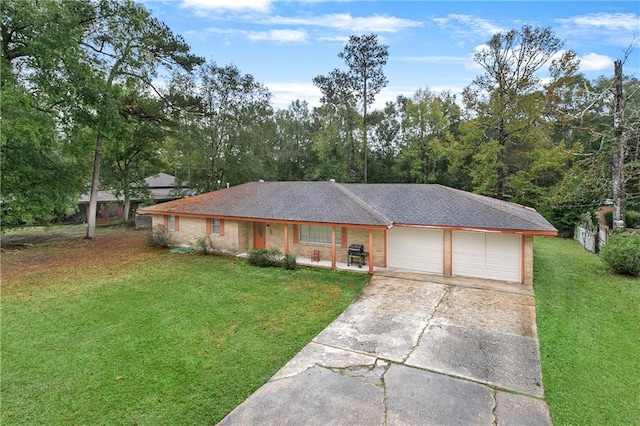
[(171, 223), (318, 234), (215, 226)]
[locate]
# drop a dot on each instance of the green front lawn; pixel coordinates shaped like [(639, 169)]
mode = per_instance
[(167, 339), (589, 331)]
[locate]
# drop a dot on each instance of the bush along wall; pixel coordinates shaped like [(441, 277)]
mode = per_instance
[(266, 258)]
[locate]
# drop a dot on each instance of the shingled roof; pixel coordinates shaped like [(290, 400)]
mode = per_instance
[(378, 205)]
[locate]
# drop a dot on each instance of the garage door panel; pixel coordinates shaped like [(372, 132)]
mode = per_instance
[(416, 249), (487, 255)]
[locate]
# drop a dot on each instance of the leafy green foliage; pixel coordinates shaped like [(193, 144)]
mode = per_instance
[(221, 133), (631, 218), (622, 253), (203, 245), (41, 175), (289, 262), (132, 154), (159, 236), (587, 321), (511, 158), (265, 258)]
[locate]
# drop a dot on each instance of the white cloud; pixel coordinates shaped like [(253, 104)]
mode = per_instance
[(462, 25), (595, 62), (346, 22), (280, 36), (341, 39), (227, 5), (283, 93), (276, 35), (610, 21)]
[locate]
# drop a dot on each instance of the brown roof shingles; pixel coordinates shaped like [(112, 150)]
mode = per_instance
[(360, 204)]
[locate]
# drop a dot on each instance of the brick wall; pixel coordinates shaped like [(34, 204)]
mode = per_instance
[(234, 240), (528, 260)]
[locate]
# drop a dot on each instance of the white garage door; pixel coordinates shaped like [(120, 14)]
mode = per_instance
[(416, 249), (487, 255)]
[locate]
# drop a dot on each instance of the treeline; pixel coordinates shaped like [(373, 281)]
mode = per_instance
[(81, 103)]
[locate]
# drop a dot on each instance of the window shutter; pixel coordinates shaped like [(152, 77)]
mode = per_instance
[(295, 234), (221, 230), (207, 226), (166, 222), (344, 237), (177, 223)]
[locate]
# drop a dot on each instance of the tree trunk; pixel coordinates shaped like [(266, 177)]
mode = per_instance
[(364, 126), (127, 209), (618, 153), (95, 181)]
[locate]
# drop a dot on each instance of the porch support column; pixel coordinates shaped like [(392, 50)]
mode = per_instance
[(286, 238), (448, 253), (386, 254), (370, 251), (333, 247)]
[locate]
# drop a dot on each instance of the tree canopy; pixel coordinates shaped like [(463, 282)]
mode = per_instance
[(102, 94)]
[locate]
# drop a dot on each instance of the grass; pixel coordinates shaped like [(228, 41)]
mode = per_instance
[(589, 331), (161, 339)]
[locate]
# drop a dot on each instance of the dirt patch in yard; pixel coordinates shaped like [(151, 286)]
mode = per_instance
[(34, 257)]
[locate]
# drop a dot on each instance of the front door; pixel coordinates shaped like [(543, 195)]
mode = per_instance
[(259, 238)]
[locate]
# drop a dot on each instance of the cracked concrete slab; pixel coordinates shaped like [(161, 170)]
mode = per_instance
[(497, 311), (520, 410), (387, 318), (325, 356), (317, 396), (504, 360), (413, 352), (417, 397)]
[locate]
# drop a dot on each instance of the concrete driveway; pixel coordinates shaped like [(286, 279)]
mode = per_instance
[(409, 351)]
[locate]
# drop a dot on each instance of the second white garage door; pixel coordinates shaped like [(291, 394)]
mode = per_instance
[(416, 249), (487, 255)]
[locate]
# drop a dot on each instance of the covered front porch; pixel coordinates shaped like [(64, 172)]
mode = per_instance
[(321, 245)]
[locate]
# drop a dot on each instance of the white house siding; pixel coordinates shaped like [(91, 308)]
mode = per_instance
[(487, 255), (417, 249)]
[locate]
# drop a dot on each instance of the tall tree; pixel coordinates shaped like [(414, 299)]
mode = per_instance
[(336, 122), (43, 168), (618, 178), (365, 58), (509, 107), (124, 43), (385, 144), (223, 139), (425, 126), (292, 142), (133, 154), (598, 119)]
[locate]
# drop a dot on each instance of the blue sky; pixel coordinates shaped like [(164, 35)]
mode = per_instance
[(284, 44)]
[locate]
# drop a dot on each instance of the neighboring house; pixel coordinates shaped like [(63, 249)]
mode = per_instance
[(425, 228), (162, 188)]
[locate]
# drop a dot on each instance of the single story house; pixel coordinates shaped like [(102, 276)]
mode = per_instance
[(426, 228), (110, 208)]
